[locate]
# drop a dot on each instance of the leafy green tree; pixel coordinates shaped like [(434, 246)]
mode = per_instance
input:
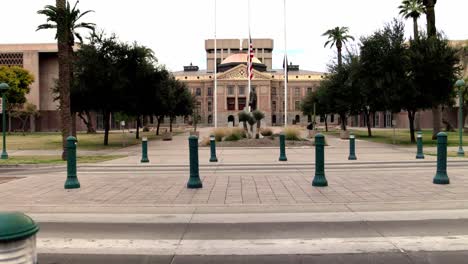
[(434, 70), (338, 37), (65, 20), (19, 81), (24, 113), (412, 9), (320, 99), (258, 116)]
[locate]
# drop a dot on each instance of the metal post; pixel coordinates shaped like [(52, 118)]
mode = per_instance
[(144, 150), (213, 157), (72, 179), (460, 84), (441, 176), (352, 147), (4, 151), (420, 153), (194, 180), (282, 156), (319, 179)]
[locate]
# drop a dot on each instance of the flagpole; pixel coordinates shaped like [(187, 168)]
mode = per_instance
[(215, 73), (285, 72), (249, 62)]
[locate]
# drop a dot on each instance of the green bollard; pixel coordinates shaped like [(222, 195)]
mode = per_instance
[(420, 153), (144, 150), (72, 180), (282, 156), (194, 180), (352, 147), (319, 180), (441, 176), (213, 157), (17, 238)]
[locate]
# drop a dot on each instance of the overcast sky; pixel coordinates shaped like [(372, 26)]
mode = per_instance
[(176, 29)]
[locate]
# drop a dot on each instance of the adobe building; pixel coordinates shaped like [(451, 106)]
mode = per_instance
[(232, 84)]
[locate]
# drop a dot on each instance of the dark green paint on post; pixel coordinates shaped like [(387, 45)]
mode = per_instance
[(282, 140), (144, 151), (419, 140), (213, 157), (319, 179), (194, 180), (441, 176), (72, 179)]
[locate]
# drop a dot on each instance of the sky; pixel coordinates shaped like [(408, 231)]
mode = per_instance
[(176, 29)]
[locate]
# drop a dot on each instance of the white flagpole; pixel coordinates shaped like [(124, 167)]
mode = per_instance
[(285, 72), (248, 62), (215, 74)]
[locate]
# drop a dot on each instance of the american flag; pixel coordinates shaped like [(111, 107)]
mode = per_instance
[(251, 55)]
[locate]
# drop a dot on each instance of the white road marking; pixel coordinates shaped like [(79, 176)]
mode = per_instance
[(253, 247)]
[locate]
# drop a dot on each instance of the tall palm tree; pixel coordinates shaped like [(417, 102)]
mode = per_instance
[(338, 36), (432, 33), (65, 20), (412, 9)]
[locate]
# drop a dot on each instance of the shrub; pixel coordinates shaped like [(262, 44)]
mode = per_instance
[(266, 132), (233, 137), (205, 141), (292, 133), (220, 133), (238, 131)]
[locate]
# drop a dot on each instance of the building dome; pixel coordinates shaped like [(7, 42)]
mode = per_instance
[(240, 58)]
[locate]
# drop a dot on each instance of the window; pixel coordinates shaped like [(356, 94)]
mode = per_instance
[(273, 91), (198, 92), (230, 90), (241, 103), (332, 118), (210, 119), (309, 89), (309, 118), (273, 106), (231, 104), (210, 106), (376, 120), (198, 107), (241, 90), (210, 91), (322, 118), (297, 92), (297, 105)]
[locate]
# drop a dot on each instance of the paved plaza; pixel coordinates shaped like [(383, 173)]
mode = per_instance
[(382, 208)]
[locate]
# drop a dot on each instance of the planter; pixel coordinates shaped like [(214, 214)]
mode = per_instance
[(344, 134), (167, 136), (195, 133)]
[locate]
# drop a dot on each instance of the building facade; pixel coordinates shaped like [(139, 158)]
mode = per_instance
[(232, 84)]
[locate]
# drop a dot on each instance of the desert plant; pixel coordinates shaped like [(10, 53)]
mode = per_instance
[(251, 122), (258, 116), (266, 132), (238, 131), (220, 133), (292, 133), (233, 137)]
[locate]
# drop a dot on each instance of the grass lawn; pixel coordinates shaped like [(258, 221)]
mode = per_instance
[(53, 141), (402, 137), (15, 160)]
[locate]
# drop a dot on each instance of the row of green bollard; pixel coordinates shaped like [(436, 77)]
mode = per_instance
[(320, 180)]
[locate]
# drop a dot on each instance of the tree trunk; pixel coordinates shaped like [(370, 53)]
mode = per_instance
[(343, 121), (87, 121), (430, 17), (415, 28), (106, 127), (64, 73), (436, 119), (159, 119), (340, 59), (138, 124), (369, 126), (326, 123), (171, 119), (73, 123), (411, 115)]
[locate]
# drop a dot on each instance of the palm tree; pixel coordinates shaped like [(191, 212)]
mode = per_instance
[(337, 36), (258, 116), (432, 33), (412, 9), (65, 19)]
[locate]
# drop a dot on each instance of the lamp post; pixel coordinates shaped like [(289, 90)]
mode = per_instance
[(3, 88), (459, 85)]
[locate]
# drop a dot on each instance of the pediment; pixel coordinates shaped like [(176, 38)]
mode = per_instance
[(240, 73)]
